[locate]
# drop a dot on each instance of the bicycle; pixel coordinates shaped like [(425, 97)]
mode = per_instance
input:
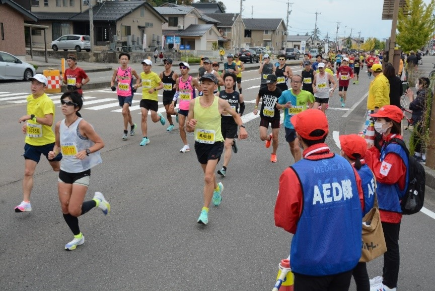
[(432, 73)]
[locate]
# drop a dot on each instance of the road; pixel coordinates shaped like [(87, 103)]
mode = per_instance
[(151, 239)]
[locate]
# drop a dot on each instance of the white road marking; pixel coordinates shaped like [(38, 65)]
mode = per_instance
[(355, 105), (108, 105), (428, 212), (335, 135), (11, 94), (14, 98)]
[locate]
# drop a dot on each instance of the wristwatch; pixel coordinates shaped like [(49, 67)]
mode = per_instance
[(88, 151), (243, 126), (33, 117)]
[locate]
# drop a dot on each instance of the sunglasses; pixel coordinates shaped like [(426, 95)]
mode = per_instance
[(68, 103), (168, 64), (281, 59), (265, 58), (215, 65), (183, 67)]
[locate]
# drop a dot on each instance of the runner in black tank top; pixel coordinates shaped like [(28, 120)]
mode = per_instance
[(282, 79), (168, 78)]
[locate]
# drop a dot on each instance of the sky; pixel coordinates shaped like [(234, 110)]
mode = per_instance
[(359, 17)]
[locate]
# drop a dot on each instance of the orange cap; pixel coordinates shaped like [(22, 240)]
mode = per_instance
[(308, 121), (389, 111), (353, 144)]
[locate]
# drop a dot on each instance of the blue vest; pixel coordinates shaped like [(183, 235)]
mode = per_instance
[(328, 236), (389, 194), (368, 185)]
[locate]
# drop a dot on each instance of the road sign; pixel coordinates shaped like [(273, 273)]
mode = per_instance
[(170, 39), (182, 47), (187, 46)]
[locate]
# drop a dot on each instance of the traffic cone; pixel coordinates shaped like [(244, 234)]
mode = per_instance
[(284, 279), (370, 134)]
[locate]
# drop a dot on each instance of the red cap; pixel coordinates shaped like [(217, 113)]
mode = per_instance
[(389, 111), (353, 144), (308, 121)]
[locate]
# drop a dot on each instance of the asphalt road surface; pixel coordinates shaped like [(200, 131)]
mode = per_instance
[(150, 240)]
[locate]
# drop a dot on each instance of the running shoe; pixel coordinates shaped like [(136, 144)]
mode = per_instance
[(273, 158), (203, 217), (341, 100), (170, 127), (389, 289), (124, 137), (376, 280), (217, 195), (268, 141), (144, 141), (342, 104), (133, 128), (77, 241), (222, 172), (23, 207), (185, 149), (162, 119), (234, 147), (103, 205), (176, 116)]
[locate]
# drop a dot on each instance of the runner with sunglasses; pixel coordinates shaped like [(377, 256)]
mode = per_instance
[(80, 146), (169, 78), (283, 73), (266, 69), (241, 68)]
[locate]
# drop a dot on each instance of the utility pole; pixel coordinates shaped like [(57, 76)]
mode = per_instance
[(91, 25), (288, 14), (240, 25), (336, 36), (315, 27), (252, 11), (359, 39)]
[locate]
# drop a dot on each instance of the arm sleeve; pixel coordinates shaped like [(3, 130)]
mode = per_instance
[(289, 202), (378, 94), (394, 174)]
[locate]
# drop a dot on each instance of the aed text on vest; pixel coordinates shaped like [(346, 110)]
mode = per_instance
[(332, 192)]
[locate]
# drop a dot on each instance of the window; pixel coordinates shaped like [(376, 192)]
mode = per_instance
[(142, 12), (266, 32), (58, 3), (2, 31), (45, 3), (125, 30), (35, 3), (247, 33), (36, 32), (173, 21), (65, 3), (71, 3), (102, 34), (8, 58)]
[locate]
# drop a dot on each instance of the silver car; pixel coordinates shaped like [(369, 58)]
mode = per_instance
[(12, 68), (76, 42)]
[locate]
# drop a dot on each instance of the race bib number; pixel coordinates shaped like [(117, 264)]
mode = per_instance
[(265, 76), (123, 87), (307, 80), (321, 85), (167, 87), (295, 110), (184, 96), (34, 130), (356, 65), (268, 112), (69, 149), (281, 80), (205, 136), (344, 77), (146, 83), (71, 81)]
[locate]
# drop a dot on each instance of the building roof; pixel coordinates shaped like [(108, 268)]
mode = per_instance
[(175, 10), (28, 16), (298, 37), (55, 16), (224, 19), (194, 30), (115, 10), (209, 19), (262, 23), (208, 7)]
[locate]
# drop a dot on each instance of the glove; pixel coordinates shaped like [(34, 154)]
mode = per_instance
[(113, 88)]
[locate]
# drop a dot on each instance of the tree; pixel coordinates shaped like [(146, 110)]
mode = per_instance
[(417, 26), (368, 45)]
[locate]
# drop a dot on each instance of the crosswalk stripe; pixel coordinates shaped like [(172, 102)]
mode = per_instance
[(14, 98), (137, 107), (12, 94), (90, 102), (107, 105)]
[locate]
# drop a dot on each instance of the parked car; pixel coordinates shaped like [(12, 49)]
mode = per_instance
[(314, 52), (248, 55), (292, 53), (12, 68), (259, 50), (72, 42)]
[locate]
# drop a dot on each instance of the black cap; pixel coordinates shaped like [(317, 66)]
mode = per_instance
[(271, 79), (210, 77), (167, 61), (206, 60)]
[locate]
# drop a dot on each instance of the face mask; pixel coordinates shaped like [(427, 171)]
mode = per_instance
[(416, 85), (379, 127)]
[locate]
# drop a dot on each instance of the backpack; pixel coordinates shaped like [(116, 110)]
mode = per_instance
[(413, 199)]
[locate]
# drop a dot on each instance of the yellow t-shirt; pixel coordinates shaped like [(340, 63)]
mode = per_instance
[(149, 81), (38, 134), (239, 67), (327, 70)]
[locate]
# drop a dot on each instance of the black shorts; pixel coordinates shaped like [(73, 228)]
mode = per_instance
[(183, 112), (321, 100), (239, 80), (206, 152), (168, 99), (290, 134), (283, 87), (33, 153), (356, 71), (309, 89), (341, 88), (266, 120), (149, 104), (81, 178), (228, 127)]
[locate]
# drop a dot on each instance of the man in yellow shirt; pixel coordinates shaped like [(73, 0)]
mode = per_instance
[(379, 91), (150, 83), (240, 68), (39, 136)]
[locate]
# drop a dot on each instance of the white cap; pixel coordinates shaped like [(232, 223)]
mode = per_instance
[(40, 78), (321, 65), (148, 62), (266, 56), (345, 59), (184, 64)]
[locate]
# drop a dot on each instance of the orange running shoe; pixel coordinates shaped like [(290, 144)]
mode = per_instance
[(269, 141), (273, 158)]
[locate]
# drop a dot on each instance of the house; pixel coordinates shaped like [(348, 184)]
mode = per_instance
[(12, 18), (231, 29), (267, 32), (189, 28), (133, 23), (208, 8), (294, 41)]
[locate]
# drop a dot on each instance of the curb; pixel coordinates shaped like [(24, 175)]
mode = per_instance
[(46, 67)]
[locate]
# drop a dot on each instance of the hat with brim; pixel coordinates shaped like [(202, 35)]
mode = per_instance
[(377, 68), (167, 61), (40, 78), (310, 124), (389, 111), (147, 62), (184, 64), (353, 145), (210, 77), (271, 79)]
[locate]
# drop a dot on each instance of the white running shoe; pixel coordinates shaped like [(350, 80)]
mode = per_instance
[(77, 241), (375, 280), (23, 207), (185, 149), (103, 205)]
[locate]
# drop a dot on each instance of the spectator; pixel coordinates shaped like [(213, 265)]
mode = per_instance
[(161, 57), (396, 89), (412, 61), (156, 55)]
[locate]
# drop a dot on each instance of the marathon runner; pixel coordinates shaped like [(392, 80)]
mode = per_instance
[(209, 70), (169, 78), (269, 114), (316, 63), (240, 68), (283, 73), (204, 119), (39, 136), (307, 77), (266, 68), (338, 58), (344, 74), (357, 66), (321, 88), (370, 60), (74, 77), (80, 146), (150, 83), (124, 76), (228, 124)]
